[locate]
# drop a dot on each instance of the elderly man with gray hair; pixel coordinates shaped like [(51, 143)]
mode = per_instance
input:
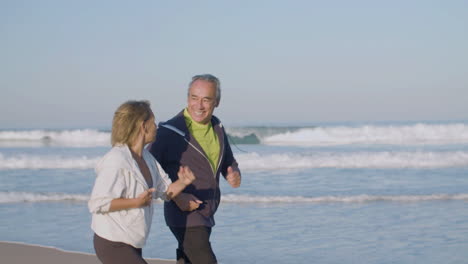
[(197, 139)]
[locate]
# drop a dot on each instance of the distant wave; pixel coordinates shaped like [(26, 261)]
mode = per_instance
[(415, 134), (22, 197), (364, 198), (46, 162), (27, 197), (255, 135), (70, 138), (285, 161), (251, 138), (394, 135), (36, 197), (255, 161)]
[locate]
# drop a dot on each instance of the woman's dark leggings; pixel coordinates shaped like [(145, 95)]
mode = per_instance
[(109, 252), (194, 245)]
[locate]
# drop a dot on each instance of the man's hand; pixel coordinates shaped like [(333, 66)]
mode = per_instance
[(233, 177), (187, 202)]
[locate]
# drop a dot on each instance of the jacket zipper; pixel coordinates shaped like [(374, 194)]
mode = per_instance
[(214, 172), (178, 131), (201, 153)]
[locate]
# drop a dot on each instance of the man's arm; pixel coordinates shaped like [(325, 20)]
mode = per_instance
[(230, 168), (233, 177), (187, 202)]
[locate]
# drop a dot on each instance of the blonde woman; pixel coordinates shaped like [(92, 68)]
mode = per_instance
[(128, 178)]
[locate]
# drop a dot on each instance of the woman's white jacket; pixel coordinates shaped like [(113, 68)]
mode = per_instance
[(118, 176)]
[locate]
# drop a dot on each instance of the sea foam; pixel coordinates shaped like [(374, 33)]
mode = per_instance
[(363, 198), (22, 197), (29, 197), (416, 134), (46, 162), (383, 160), (370, 134), (69, 138), (266, 162)]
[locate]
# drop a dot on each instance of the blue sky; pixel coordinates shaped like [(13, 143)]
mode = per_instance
[(69, 64)]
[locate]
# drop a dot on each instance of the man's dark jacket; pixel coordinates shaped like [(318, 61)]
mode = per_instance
[(173, 150)]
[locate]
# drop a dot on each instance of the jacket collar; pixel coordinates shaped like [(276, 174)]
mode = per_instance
[(178, 121), (134, 165)]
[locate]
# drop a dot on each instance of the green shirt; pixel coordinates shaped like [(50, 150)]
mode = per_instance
[(206, 137)]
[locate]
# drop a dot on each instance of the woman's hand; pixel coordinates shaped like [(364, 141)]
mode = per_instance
[(142, 200), (185, 175), (145, 198)]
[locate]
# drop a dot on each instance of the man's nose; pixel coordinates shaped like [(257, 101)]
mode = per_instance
[(200, 104)]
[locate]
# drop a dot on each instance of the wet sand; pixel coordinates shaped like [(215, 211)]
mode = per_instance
[(19, 253)]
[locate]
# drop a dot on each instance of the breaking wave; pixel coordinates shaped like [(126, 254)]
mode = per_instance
[(364, 198), (285, 161), (69, 138), (415, 134), (46, 162), (384, 160), (27, 197)]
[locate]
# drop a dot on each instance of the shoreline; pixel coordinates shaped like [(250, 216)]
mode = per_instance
[(24, 253)]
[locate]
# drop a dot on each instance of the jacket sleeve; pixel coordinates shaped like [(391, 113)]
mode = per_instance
[(158, 147), (165, 150), (109, 185), (229, 159), (162, 183)]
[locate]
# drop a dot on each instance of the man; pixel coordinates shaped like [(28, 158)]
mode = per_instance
[(195, 138)]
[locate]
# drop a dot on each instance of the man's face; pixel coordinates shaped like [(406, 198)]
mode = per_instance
[(201, 101)]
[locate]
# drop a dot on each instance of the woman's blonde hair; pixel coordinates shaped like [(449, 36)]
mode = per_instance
[(127, 119)]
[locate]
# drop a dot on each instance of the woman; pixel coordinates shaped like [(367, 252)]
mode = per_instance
[(128, 178)]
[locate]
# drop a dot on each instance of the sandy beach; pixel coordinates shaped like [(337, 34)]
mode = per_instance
[(19, 253)]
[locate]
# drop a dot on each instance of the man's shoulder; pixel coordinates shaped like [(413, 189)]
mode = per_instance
[(173, 126), (177, 120), (216, 121)]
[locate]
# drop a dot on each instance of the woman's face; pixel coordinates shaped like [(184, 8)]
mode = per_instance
[(150, 130)]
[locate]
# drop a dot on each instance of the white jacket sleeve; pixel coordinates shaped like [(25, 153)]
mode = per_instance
[(162, 182), (109, 185)]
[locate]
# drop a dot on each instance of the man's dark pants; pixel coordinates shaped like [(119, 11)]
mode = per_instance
[(194, 245)]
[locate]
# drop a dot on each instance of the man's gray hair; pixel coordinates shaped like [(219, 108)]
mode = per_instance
[(209, 78)]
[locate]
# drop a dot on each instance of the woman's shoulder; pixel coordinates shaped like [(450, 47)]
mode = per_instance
[(152, 160), (148, 156), (118, 156)]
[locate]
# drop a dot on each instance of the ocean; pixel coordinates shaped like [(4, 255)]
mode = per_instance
[(377, 192)]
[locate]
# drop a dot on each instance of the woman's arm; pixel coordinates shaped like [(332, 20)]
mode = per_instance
[(186, 177), (144, 199)]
